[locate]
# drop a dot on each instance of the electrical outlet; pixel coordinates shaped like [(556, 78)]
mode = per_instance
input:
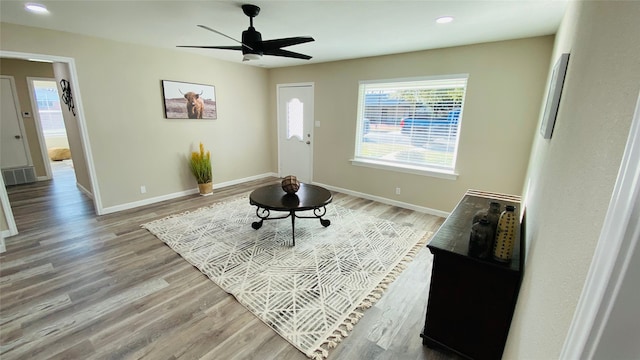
[(397, 191), (143, 189)]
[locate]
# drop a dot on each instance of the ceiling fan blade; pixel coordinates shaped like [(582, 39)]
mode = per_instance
[(212, 47), (225, 35), (286, 53), (280, 43)]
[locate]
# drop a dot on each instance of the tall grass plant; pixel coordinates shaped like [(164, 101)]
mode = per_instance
[(200, 164)]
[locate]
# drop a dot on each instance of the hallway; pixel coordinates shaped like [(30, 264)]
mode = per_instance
[(46, 204)]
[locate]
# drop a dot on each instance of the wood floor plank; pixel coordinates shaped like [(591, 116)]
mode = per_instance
[(41, 307), (81, 350), (74, 285), (153, 309)]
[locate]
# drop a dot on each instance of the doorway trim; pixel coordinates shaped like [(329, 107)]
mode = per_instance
[(8, 213), (278, 127), (82, 124)]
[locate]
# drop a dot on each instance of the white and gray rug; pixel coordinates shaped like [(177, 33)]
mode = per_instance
[(311, 294)]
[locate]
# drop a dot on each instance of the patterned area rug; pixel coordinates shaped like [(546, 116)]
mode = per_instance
[(311, 294)]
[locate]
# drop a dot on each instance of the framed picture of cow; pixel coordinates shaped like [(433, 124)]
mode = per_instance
[(189, 101)]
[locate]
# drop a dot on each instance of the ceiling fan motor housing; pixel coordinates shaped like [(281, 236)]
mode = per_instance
[(252, 38)]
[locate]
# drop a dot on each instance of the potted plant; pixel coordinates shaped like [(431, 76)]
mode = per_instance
[(200, 165)]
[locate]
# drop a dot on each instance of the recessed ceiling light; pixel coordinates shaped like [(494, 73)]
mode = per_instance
[(36, 8), (444, 19)]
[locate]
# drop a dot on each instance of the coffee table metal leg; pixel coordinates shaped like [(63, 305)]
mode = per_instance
[(265, 214), (262, 214), (319, 213), (293, 227), (256, 224)]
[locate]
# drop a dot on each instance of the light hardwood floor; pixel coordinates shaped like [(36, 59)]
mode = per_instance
[(78, 286)]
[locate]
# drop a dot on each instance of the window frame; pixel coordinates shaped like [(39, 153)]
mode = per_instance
[(399, 166)]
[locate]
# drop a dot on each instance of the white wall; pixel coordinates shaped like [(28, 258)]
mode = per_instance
[(132, 143), (571, 176)]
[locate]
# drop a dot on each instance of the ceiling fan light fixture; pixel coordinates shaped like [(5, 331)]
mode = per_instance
[(36, 8), (250, 56), (444, 19)]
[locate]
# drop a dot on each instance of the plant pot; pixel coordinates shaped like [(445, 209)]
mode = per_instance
[(206, 189)]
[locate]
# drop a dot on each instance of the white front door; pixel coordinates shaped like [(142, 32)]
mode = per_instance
[(295, 131), (14, 144)]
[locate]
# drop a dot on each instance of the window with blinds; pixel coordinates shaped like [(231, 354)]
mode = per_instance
[(413, 123), (49, 110)]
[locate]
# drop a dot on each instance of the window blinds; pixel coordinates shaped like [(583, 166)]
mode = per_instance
[(411, 122)]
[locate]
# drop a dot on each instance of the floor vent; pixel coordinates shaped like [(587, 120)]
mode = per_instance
[(20, 175)]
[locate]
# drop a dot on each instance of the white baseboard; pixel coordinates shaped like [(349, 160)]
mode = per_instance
[(387, 201), (43, 178), (153, 200), (135, 204), (149, 201), (85, 191)]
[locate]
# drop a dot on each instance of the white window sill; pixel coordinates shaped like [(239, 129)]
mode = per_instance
[(442, 174)]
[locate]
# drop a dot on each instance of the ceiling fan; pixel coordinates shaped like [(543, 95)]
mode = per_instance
[(252, 45)]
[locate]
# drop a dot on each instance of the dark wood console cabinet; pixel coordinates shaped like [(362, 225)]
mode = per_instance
[(471, 301)]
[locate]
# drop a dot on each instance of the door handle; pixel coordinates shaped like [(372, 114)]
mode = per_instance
[(308, 142), (17, 136)]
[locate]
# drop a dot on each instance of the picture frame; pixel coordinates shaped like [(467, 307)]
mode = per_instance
[(553, 97), (184, 100)]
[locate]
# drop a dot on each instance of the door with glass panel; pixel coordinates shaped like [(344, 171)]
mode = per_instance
[(295, 131)]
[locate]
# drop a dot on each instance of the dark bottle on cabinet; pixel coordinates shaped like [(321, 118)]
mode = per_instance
[(492, 214), (480, 239)]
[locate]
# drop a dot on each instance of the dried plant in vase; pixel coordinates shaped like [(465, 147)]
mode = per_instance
[(200, 165)]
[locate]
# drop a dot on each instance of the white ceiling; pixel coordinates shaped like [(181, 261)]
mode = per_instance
[(342, 29)]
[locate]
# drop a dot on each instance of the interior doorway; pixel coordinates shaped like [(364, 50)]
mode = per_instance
[(50, 125), (77, 134)]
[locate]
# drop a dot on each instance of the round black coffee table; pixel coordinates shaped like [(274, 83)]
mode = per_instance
[(273, 198)]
